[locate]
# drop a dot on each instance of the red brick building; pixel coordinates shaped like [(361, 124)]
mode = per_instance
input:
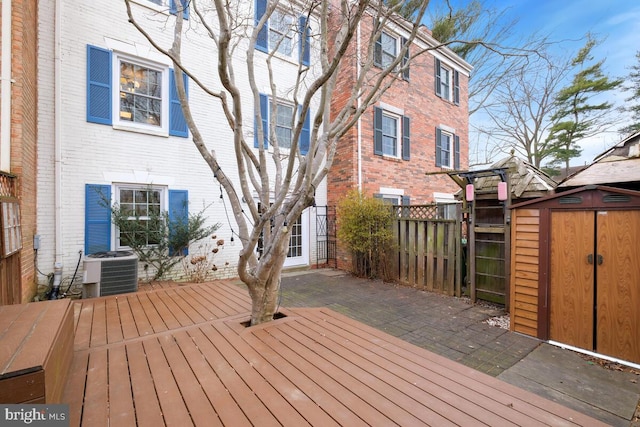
[(419, 125), (18, 135)]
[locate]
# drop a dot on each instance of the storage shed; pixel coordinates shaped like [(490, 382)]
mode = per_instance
[(575, 270)]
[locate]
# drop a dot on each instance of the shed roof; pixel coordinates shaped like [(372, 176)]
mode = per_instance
[(585, 198), (526, 180), (619, 164)]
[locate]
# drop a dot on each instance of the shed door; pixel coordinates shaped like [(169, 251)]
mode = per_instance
[(595, 281), (572, 279), (618, 284)]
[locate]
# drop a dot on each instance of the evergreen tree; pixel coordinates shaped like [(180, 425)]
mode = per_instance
[(633, 85), (577, 115)]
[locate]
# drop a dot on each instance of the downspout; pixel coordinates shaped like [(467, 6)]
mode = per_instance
[(57, 139), (359, 104), (5, 89)]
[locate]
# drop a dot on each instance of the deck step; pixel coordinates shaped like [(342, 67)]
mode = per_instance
[(36, 349)]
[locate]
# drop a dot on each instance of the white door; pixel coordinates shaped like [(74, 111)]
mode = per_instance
[(299, 242)]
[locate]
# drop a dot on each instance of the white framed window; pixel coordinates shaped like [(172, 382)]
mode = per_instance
[(284, 124), (141, 98), (447, 148), (447, 205), (286, 115), (447, 81), (143, 203), (386, 50), (281, 33), (391, 133)]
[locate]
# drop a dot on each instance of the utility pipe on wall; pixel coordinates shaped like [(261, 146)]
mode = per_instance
[(359, 103), (57, 108), (5, 89)]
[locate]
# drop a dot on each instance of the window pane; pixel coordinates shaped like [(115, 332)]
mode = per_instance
[(389, 135), (445, 143), (141, 203), (281, 33), (389, 49), (284, 118), (445, 76), (140, 94)]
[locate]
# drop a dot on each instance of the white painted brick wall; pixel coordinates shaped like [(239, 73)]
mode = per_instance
[(93, 152)]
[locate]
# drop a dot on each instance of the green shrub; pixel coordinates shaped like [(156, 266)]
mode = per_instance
[(364, 226), (159, 242)]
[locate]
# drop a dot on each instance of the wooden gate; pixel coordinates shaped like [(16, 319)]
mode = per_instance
[(595, 281), (428, 239), (10, 242)]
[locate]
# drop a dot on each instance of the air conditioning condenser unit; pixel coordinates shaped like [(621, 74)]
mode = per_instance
[(109, 273)]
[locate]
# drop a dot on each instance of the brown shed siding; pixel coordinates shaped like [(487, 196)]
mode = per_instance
[(525, 240)]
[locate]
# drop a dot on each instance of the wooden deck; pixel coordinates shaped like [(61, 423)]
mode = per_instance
[(182, 356)]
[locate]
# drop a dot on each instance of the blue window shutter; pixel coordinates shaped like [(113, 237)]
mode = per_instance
[(97, 218), (438, 147), (406, 200), (177, 123), (456, 147), (178, 212), (406, 138), (377, 131), (305, 40), (98, 85), (262, 42), (305, 135), (438, 79), (264, 112), (173, 8), (456, 87), (405, 62)]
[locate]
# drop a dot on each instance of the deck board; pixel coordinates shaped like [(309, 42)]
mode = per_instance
[(114, 327), (148, 412), (181, 356), (126, 320), (121, 410), (227, 409)]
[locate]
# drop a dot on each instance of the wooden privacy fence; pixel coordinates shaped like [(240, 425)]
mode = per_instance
[(428, 239)]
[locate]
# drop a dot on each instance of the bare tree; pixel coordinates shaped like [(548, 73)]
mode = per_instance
[(284, 181), (519, 116)]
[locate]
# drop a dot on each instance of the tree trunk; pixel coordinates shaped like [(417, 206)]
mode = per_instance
[(264, 294), (264, 299)]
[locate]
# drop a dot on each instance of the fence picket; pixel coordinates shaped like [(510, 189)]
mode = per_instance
[(428, 249)]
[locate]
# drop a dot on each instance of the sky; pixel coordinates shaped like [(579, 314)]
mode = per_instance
[(615, 22)]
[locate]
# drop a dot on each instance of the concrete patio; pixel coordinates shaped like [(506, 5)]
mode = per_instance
[(453, 328)]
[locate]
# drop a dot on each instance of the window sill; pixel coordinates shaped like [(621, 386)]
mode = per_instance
[(150, 5), (392, 158), (448, 101), (293, 60), (154, 132)]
